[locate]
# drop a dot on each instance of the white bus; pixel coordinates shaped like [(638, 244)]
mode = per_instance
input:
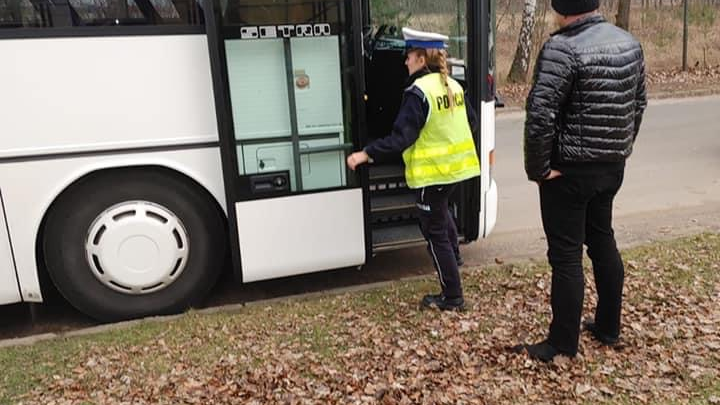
[(145, 142)]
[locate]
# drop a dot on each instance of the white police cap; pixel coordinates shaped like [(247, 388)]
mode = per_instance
[(420, 39)]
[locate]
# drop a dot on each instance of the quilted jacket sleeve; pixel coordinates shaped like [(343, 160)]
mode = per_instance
[(552, 85), (640, 100)]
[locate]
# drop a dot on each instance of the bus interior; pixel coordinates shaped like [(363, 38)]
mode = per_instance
[(394, 216)]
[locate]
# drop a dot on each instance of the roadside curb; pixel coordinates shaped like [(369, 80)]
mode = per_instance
[(507, 113), (661, 95), (652, 97)]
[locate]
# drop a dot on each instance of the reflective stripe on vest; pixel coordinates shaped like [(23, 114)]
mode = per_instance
[(444, 153)]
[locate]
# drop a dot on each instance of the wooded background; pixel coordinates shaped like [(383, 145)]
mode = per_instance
[(658, 24), (523, 25)]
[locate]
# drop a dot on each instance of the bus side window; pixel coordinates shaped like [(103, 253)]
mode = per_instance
[(261, 12), (18, 13), (74, 13)]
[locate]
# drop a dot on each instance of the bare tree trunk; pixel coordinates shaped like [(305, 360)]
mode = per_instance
[(622, 19), (541, 26), (521, 62)]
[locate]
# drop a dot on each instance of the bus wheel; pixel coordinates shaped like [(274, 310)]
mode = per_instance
[(131, 243)]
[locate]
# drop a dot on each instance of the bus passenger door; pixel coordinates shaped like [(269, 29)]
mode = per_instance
[(287, 96)]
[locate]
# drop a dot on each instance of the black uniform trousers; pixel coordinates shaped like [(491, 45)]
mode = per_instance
[(576, 210), (439, 230)]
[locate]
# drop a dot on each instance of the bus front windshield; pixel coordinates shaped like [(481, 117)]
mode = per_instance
[(444, 17)]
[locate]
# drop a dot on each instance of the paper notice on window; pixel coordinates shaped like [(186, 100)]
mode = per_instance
[(317, 85)]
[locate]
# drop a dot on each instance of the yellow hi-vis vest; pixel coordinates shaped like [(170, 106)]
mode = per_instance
[(444, 153)]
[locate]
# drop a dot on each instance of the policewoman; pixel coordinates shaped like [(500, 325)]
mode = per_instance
[(433, 132)]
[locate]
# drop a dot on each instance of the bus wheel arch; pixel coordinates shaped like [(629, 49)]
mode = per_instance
[(164, 196)]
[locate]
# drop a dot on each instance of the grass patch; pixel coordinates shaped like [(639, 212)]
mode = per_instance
[(377, 345)]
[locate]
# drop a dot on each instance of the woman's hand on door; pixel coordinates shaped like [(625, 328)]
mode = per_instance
[(356, 159)]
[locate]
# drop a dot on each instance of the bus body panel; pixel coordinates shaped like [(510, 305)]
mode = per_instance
[(9, 292), (26, 205), (491, 207), (119, 99), (65, 95), (292, 235), (73, 106), (488, 188)]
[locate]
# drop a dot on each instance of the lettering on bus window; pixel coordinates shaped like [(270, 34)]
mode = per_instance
[(285, 31)]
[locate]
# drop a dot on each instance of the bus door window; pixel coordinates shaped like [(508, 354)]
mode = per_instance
[(290, 115), (385, 66)]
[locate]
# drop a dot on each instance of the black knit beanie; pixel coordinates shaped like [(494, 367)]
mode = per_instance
[(575, 7)]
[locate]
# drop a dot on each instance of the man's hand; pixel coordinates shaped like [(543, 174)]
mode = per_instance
[(553, 174), (356, 159)]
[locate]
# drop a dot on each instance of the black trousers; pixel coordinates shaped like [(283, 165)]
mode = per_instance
[(577, 210), (439, 230)]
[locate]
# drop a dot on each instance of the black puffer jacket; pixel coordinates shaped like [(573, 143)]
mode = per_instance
[(587, 100)]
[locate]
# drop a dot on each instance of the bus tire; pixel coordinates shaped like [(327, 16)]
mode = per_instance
[(161, 250)]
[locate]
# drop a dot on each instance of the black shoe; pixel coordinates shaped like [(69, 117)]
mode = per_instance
[(590, 326), (442, 302), (542, 351)]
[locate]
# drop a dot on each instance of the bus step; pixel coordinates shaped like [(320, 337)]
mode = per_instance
[(387, 179), (389, 186), (387, 202), (379, 173), (392, 209), (397, 236)]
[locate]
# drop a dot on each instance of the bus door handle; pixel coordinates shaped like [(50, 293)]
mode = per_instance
[(330, 148)]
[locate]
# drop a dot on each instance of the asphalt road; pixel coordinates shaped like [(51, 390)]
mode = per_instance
[(672, 188), (675, 164)]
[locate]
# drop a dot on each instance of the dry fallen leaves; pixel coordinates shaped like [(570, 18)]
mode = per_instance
[(378, 348)]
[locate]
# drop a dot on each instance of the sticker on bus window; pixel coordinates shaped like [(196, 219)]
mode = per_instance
[(302, 80)]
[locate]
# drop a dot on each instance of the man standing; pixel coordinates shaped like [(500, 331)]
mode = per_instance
[(583, 115)]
